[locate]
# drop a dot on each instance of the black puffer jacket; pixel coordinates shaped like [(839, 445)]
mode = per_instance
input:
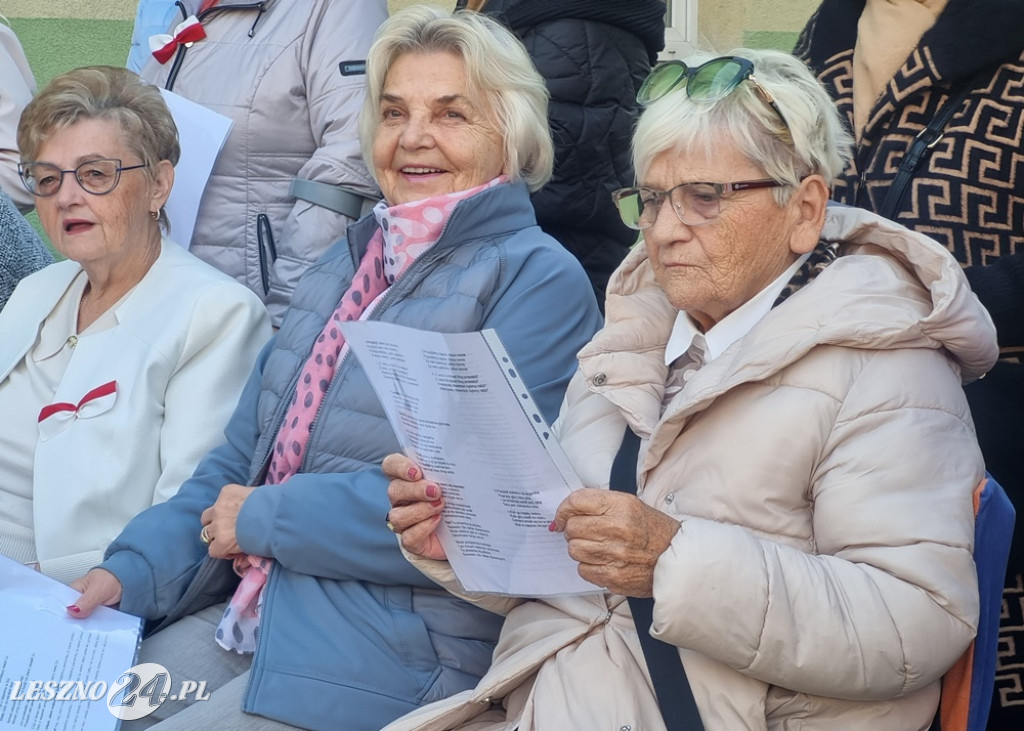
[(594, 54)]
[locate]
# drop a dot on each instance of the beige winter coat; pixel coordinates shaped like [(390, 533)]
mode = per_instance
[(822, 470)]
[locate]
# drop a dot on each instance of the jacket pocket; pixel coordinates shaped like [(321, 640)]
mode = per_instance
[(267, 249)]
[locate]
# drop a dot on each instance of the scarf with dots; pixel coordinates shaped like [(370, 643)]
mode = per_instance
[(405, 233)]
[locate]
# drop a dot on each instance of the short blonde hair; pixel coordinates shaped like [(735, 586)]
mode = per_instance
[(812, 140), (103, 92), (497, 67)]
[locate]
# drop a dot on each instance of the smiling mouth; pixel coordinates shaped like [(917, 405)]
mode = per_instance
[(421, 171)]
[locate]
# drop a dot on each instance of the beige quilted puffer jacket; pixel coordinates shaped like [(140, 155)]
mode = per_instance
[(822, 471), (273, 68)]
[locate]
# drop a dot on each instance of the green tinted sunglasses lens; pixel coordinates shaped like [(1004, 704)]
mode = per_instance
[(660, 82), (629, 209), (714, 80)]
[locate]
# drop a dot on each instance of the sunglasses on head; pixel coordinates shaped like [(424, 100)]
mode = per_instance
[(709, 82)]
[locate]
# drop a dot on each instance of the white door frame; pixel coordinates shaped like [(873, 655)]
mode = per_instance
[(680, 28)]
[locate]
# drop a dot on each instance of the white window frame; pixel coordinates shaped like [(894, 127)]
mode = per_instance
[(680, 28)]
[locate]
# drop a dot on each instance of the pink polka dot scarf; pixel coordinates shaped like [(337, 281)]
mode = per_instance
[(406, 232)]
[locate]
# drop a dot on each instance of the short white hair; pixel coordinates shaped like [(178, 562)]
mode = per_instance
[(498, 69), (813, 139)]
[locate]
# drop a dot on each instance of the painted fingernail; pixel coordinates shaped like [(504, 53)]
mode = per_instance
[(432, 492), (436, 504), (73, 609), (412, 473), (552, 527)]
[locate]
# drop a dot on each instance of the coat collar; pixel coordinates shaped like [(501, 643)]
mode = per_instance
[(901, 290), (20, 320), (488, 214), (192, 6)]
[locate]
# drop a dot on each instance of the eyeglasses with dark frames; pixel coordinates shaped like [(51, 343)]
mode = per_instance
[(98, 177), (693, 203)]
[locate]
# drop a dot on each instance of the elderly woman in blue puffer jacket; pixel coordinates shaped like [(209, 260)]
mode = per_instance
[(328, 616)]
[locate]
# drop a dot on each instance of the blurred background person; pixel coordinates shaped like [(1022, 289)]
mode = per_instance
[(291, 77), (593, 55), (17, 85), (788, 377), (894, 68), (329, 618), (120, 366), (21, 251)]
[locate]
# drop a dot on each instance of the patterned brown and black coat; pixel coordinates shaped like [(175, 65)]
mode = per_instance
[(969, 195)]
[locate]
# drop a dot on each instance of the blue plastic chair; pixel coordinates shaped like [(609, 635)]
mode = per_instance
[(968, 686)]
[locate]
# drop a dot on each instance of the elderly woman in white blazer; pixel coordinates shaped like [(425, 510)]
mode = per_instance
[(119, 366), (803, 518)]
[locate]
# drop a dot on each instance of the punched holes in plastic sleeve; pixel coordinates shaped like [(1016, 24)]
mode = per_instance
[(524, 394)]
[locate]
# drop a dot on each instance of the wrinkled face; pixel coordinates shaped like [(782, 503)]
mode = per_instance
[(91, 229), (710, 270), (433, 135)]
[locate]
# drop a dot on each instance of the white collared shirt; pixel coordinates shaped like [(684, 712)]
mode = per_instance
[(686, 335)]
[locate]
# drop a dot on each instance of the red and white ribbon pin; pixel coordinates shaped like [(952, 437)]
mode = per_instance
[(163, 45)]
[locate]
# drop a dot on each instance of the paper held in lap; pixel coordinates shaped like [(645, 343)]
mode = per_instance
[(57, 673), (462, 412)]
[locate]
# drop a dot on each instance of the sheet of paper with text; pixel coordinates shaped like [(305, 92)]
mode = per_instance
[(57, 673), (462, 412)]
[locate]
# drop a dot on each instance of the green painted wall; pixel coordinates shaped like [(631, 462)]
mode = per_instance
[(56, 45), (779, 39)]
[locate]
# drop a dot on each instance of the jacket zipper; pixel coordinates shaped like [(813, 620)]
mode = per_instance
[(264, 612), (266, 250), (394, 292), (179, 57)]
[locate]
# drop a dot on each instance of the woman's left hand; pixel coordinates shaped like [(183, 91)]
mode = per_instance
[(219, 520), (616, 538)]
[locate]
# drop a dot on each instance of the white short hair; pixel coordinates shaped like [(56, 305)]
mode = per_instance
[(498, 69), (813, 139)]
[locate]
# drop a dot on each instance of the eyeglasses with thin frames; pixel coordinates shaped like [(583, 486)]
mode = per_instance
[(709, 82), (97, 177), (693, 203)]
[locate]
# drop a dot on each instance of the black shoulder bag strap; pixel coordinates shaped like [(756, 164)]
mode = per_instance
[(922, 145), (675, 697)]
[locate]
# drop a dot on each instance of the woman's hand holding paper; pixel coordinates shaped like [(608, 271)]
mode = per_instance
[(416, 506)]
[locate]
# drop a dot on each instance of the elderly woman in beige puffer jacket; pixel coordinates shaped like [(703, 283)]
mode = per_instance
[(804, 520)]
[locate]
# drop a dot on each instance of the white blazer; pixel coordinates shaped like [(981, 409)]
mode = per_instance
[(185, 342)]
